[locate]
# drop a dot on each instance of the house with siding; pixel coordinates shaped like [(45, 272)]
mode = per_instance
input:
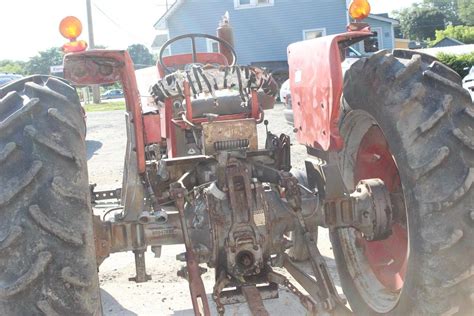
[(263, 29)]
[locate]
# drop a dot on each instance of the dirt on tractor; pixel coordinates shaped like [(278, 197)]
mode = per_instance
[(384, 165)]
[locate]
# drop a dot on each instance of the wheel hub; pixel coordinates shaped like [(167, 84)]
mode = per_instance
[(386, 258)]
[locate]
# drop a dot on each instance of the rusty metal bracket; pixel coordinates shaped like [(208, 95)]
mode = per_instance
[(326, 295), (368, 209), (307, 302), (196, 286), (140, 267), (254, 300), (104, 195)]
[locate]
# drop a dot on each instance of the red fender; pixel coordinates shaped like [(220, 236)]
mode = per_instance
[(316, 87)]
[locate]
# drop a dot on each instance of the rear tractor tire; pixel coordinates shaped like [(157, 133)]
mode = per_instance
[(47, 255), (410, 123)]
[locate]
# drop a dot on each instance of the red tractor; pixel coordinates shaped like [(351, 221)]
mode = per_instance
[(390, 173)]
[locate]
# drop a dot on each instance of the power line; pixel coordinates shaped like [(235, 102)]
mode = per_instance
[(133, 36)]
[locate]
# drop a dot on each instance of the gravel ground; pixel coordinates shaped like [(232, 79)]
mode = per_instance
[(166, 294)]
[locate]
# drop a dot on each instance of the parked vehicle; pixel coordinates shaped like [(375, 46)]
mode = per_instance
[(6, 78), (389, 173), (112, 94), (468, 82)]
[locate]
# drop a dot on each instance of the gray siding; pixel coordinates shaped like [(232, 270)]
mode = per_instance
[(261, 34)]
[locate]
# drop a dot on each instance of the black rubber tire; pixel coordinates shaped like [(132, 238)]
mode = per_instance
[(427, 119), (47, 255)]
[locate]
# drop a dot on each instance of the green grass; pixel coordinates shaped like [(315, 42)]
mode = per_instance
[(109, 106)]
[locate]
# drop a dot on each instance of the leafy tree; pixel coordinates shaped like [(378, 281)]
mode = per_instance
[(464, 34), (466, 11), (448, 7), (140, 55), (460, 63), (11, 66), (41, 63), (420, 22)]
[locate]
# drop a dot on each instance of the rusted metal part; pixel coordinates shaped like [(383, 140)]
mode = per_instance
[(223, 131), (327, 295), (254, 300), (267, 292), (101, 239), (109, 66), (280, 147), (304, 279), (222, 281), (226, 33), (244, 242), (196, 286), (307, 302), (368, 209), (119, 236), (152, 128), (105, 195), (133, 191), (140, 267)]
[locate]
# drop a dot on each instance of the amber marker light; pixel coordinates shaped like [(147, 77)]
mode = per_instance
[(359, 9), (70, 27)]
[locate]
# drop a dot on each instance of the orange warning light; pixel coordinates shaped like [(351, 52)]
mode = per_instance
[(70, 27), (359, 9)]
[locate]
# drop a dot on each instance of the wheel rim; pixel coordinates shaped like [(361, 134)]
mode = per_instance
[(387, 258), (377, 268)]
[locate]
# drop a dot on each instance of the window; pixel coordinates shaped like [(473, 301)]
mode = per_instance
[(374, 43), (248, 4), (212, 46), (313, 33)]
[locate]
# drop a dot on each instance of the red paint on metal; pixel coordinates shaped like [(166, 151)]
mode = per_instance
[(255, 107), (152, 124), (74, 47), (387, 258), (316, 87), (108, 66), (179, 61), (169, 124)]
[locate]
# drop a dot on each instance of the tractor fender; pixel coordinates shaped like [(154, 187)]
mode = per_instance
[(316, 87)]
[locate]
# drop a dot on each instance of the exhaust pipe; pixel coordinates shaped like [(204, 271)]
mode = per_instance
[(225, 32)]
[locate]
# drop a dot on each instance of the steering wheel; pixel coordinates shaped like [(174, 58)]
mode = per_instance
[(193, 37)]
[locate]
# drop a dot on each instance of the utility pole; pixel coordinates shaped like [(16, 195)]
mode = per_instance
[(95, 87)]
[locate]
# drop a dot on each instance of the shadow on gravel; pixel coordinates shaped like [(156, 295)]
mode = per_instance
[(92, 146), (111, 307)]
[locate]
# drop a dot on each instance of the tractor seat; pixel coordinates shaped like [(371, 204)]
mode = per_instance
[(229, 102)]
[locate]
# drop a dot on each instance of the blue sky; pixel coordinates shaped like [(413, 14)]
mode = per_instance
[(28, 26)]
